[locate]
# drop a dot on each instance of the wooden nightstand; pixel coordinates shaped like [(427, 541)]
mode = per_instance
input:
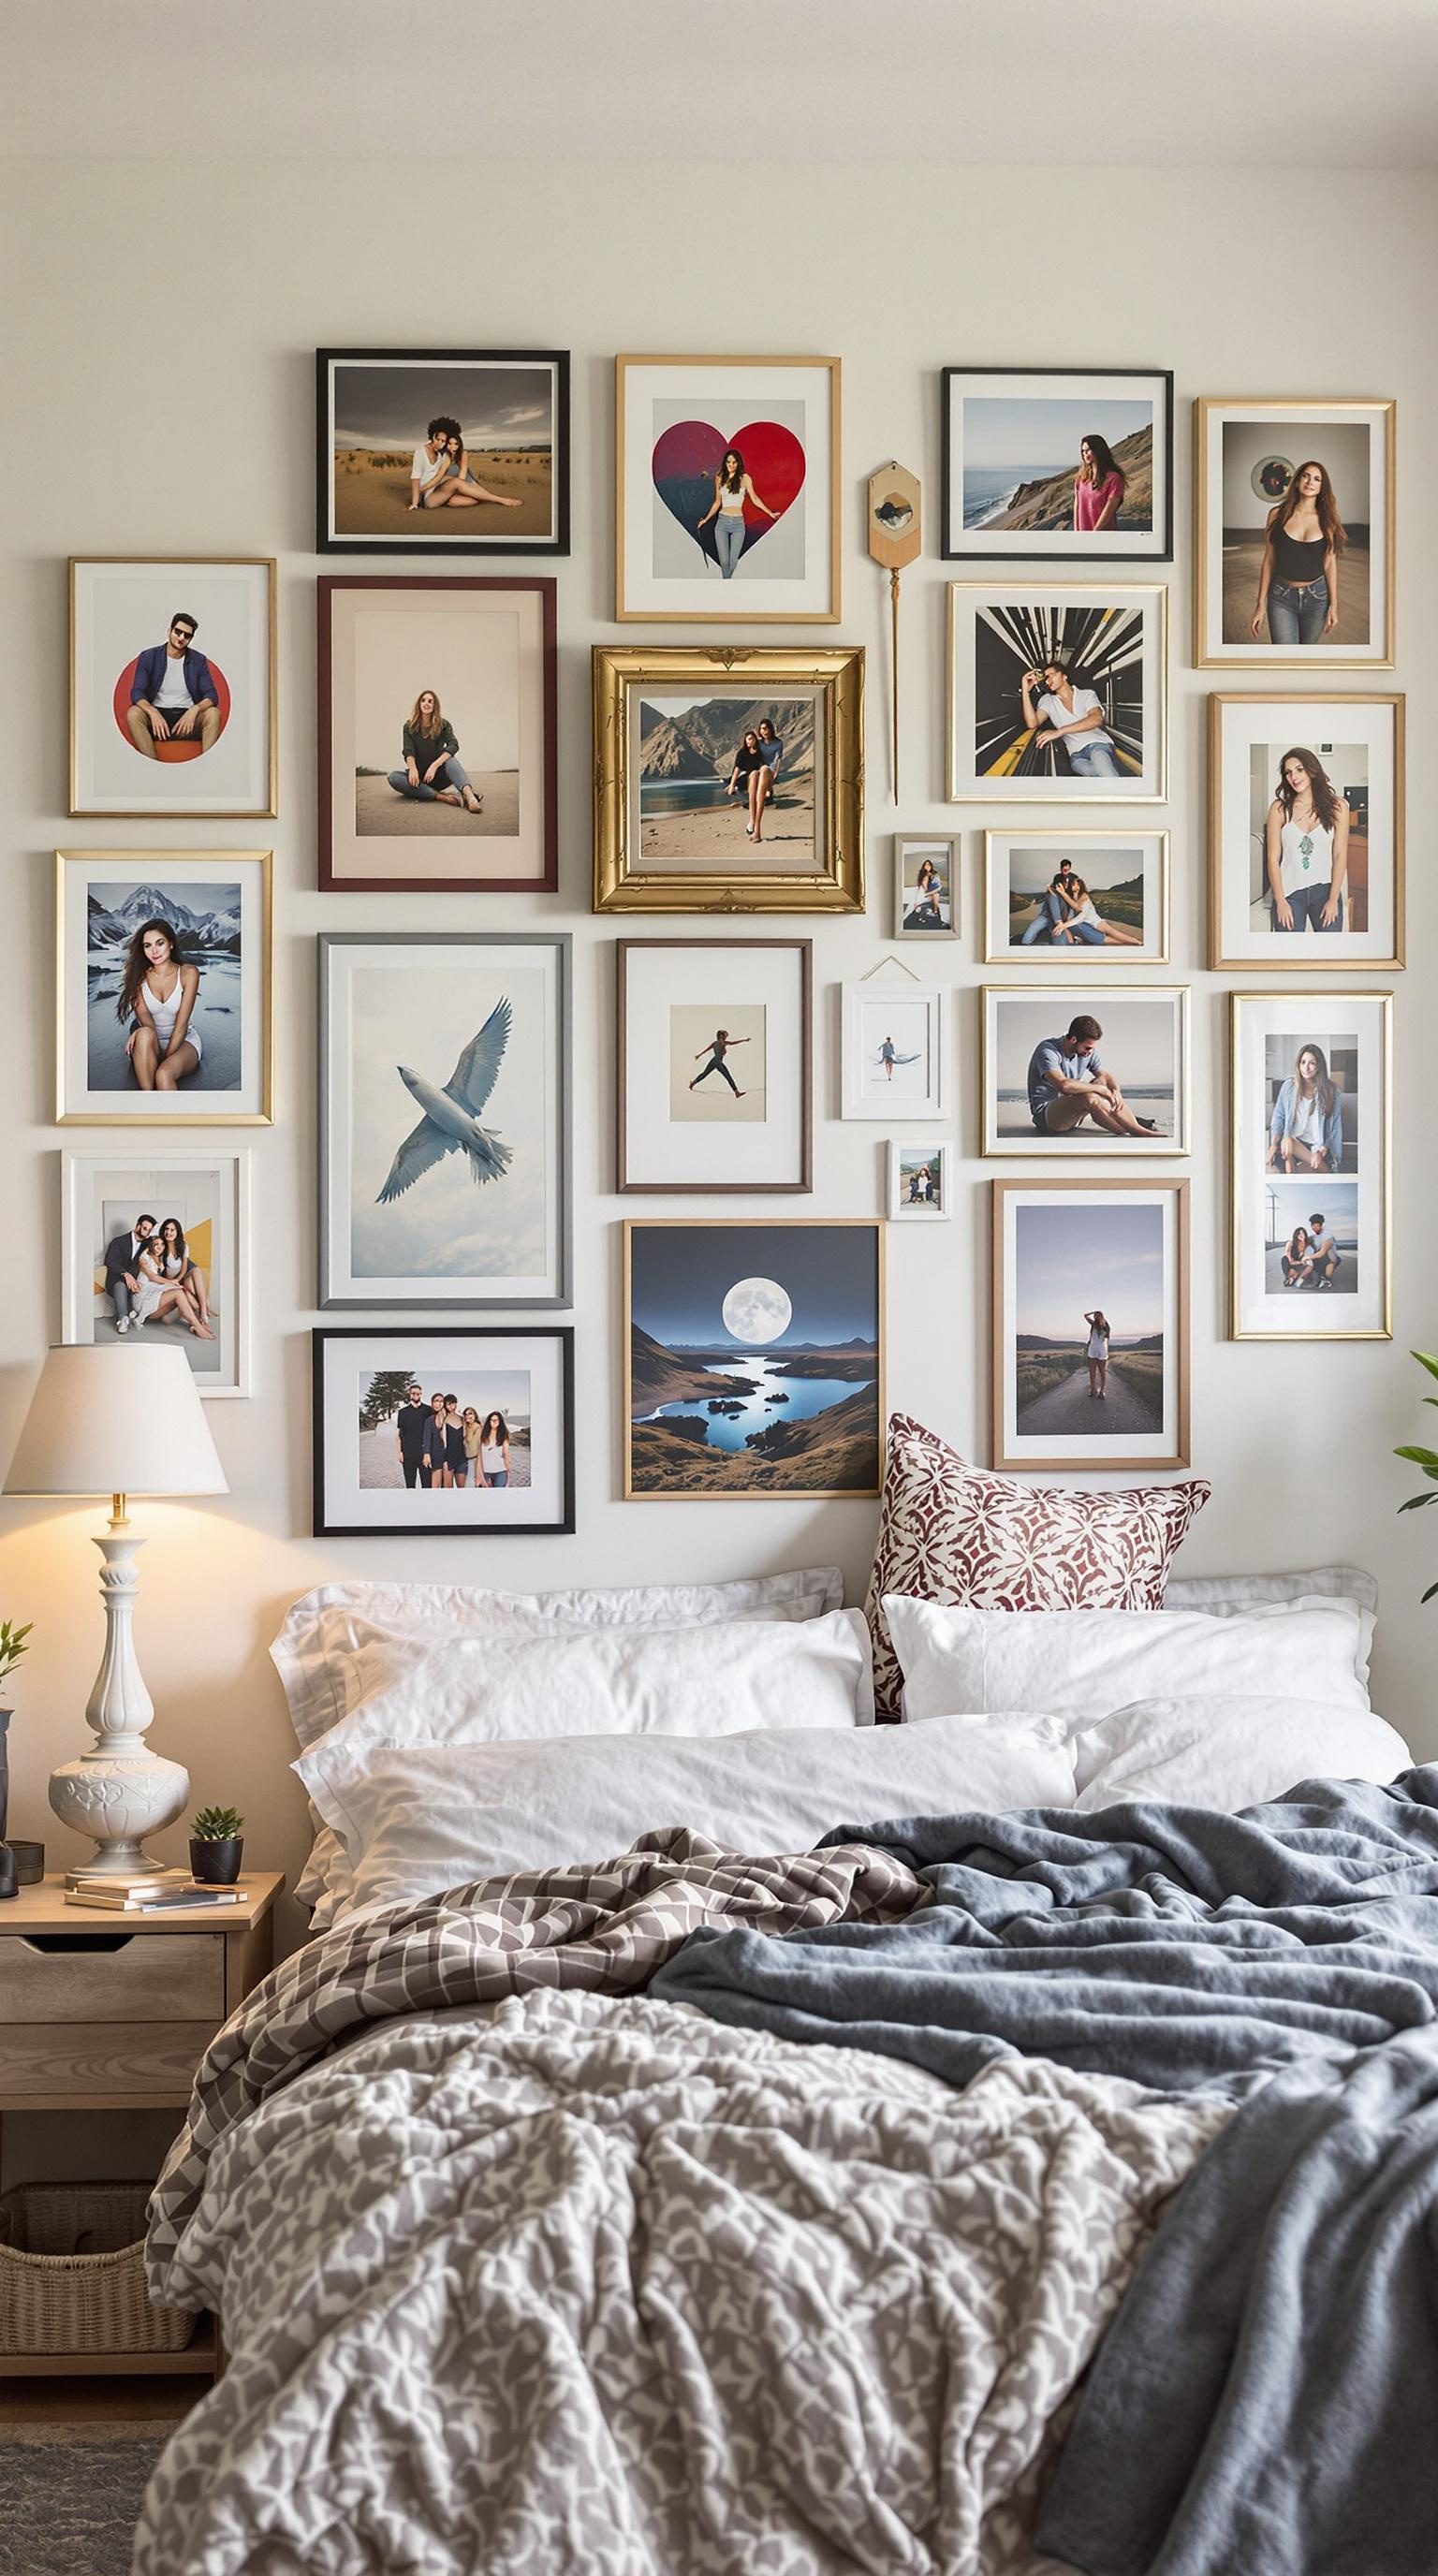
[(112, 2012)]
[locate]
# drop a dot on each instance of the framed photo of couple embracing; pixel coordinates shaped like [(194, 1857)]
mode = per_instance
[(442, 451)]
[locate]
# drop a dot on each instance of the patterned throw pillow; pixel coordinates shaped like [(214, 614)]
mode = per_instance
[(954, 1533)]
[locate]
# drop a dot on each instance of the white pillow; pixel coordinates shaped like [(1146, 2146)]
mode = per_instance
[(1222, 1594), (324, 1629), (1229, 1752), (717, 1679), (1091, 1662), (435, 1816)]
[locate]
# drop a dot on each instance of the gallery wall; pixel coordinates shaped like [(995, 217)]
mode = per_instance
[(149, 413)]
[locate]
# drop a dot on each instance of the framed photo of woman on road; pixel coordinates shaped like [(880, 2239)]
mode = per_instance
[(1312, 1167), (1306, 832), (1090, 1358), (1295, 534), (1058, 695), (727, 500)]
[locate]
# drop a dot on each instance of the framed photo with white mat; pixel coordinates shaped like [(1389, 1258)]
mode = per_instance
[(714, 1064)]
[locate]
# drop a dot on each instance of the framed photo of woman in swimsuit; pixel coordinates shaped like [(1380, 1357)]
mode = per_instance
[(1306, 832), (1311, 1236), (442, 451), (162, 1009), (1074, 465), (1058, 695), (727, 500), (1295, 534), (437, 734), (714, 1064), (1090, 1322)]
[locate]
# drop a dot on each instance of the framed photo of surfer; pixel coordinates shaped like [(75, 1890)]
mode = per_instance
[(1070, 464), (1058, 694), (443, 1432), (727, 499), (1090, 1358), (444, 1118)]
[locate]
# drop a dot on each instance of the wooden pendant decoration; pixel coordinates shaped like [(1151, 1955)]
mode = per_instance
[(895, 536)]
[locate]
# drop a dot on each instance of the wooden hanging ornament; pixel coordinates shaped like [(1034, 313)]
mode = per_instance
[(895, 536)]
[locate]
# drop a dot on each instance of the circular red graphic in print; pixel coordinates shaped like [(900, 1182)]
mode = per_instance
[(182, 746)]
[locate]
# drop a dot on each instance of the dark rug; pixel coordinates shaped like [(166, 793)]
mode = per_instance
[(72, 2496)]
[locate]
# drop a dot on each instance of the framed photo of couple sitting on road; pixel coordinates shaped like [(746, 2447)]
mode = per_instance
[(728, 780), (1312, 1167), (469, 1433), (443, 451), (1091, 1069), (1306, 832), (1090, 1361), (172, 686), (1076, 898), (1058, 695)]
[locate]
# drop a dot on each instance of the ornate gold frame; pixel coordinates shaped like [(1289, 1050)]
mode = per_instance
[(201, 860), (1273, 660), (1301, 962), (1359, 1333), (189, 813), (727, 615)]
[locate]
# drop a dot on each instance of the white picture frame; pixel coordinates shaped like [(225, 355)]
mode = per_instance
[(206, 1188), (734, 1111), (894, 1050), (1277, 1290), (1111, 641), (918, 1182)]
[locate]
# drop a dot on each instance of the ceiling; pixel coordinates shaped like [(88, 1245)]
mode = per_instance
[(1309, 84)]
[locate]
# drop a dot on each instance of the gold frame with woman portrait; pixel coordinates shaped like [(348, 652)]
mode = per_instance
[(252, 869), (1315, 719), (1217, 547)]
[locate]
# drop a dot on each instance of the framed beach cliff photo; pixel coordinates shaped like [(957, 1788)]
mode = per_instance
[(1312, 1166), (1090, 1359), (1306, 831), (1070, 465), (1058, 695), (714, 1064), (1294, 532), (754, 1359), (1057, 897), (443, 1432), (442, 451), (437, 769), (172, 686), (727, 490), (162, 1009)]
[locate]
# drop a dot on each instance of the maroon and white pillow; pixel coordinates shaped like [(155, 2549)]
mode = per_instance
[(958, 1534)]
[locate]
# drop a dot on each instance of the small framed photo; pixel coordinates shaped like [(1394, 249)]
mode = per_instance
[(1295, 534), (754, 1359), (1058, 696), (919, 1182), (1098, 1069), (1090, 1324), (443, 451), (714, 1064), (154, 1247), (437, 1433), (437, 735), (926, 888), (1059, 897), (444, 1118), (1312, 1167), (727, 501), (728, 782), (172, 686), (1306, 832), (895, 1051), (1073, 465), (163, 988)]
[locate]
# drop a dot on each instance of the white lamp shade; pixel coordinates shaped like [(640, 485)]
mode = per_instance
[(115, 1421)]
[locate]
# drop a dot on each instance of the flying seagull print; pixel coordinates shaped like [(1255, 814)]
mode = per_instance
[(451, 1117)]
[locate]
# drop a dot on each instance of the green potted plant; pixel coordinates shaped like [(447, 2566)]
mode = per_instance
[(12, 1647), (1427, 1459), (217, 1846)]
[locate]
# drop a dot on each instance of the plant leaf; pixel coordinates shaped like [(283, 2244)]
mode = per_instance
[(1426, 1360), (1428, 1595), (1427, 1459), (1416, 1502)]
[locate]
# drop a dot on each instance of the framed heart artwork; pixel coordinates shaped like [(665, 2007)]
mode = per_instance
[(727, 502)]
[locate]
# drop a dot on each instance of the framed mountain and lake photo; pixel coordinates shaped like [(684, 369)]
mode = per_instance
[(163, 988), (754, 1360), (1074, 466), (1090, 1357)]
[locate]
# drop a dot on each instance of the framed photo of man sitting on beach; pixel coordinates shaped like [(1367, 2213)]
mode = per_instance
[(1294, 530), (443, 451), (728, 781), (1097, 1069), (172, 686), (1061, 896), (437, 734), (1312, 1167), (1090, 1359), (1058, 695), (1306, 831), (1068, 464)]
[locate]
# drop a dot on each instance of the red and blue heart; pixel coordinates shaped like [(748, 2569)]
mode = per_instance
[(688, 456)]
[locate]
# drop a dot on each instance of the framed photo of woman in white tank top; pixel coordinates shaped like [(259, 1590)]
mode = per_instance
[(1306, 832), (162, 988)]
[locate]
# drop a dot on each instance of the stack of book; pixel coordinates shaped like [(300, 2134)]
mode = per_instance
[(151, 1891)]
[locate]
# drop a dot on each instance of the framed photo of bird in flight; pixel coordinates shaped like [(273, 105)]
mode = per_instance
[(727, 501), (444, 1119), (470, 1432)]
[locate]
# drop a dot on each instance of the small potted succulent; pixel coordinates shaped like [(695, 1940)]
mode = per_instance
[(217, 1846)]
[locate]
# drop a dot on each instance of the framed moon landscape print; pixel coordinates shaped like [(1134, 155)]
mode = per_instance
[(1059, 897), (1090, 1324), (465, 1433), (443, 451), (1058, 696), (754, 1359), (1075, 466), (162, 1010), (154, 1247), (1295, 534), (172, 686), (728, 489), (1306, 832), (444, 1118), (1312, 1166), (715, 1064)]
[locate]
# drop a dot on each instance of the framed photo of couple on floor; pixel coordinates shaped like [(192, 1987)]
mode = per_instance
[(442, 451), (466, 1433), (154, 1247), (727, 500), (1076, 898), (162, 1010), (1312, 1167), (1090, 1322), (1058, 695), (1295, 534), (714, 1064), (1306, 832)]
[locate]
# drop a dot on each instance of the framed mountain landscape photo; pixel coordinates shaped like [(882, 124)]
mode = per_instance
[(727, 502), (1073, 465)]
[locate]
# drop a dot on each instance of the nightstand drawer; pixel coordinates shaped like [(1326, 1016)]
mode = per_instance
[(100, 2060), (70, 1977)]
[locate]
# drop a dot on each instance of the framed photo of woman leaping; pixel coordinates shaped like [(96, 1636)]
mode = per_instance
[(437, 734), (1058, 695), (162, 1006), (715, 1064), (727, 502), (1090, 1361)]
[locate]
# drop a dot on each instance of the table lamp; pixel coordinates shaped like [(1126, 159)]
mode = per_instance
[(119, 1421)]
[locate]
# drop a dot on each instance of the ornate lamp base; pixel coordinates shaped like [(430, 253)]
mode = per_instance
[(119, 1790)]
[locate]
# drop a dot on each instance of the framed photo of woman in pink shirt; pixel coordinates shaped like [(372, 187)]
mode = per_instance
[(1074, 465)]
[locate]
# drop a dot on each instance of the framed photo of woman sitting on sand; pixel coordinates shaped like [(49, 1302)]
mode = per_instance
[(1059, 897), (728, 781), (437, 726), (1058, 695), (443, 451), (1090, 1362), (1073, 465)]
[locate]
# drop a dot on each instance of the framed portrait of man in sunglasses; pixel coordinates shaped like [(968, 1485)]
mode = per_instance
[(172, 686)]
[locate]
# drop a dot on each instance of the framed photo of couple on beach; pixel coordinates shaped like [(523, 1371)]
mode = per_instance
[(727, 501), (172, 686), (728, 780), (1090, 1357), (461, 1433), (1306, 832), (1063, 895), (1294, 533), (443, 451), (437, 734), (154, 1248), (1097, 1069), (1071, 465), (1058, 695), (1312, 1167), (162, 1013), (714, 1064)]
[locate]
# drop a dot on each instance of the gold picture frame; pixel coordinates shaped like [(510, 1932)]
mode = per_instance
[(1346, 412), (1175, 1421), (833, 674), (93, 808), (1327, 1184), (143, 867), (1318, 954)]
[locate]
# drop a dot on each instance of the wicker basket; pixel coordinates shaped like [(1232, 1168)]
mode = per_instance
[(72, 2276)]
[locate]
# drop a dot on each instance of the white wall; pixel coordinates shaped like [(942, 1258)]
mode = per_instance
[(143, 414)]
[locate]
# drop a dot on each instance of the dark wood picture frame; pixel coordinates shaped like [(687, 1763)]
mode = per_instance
[(557, 544), (544, 584), (1161, 550), (804, 948), (322, 1334)]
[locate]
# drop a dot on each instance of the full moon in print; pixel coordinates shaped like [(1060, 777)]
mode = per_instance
[(757, 1310)]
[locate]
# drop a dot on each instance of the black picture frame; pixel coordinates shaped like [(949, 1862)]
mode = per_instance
[(322, 1335), (328, 542), (1070, 554)]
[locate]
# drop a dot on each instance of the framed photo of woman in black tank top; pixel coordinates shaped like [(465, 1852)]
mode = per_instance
[(1295, 533)]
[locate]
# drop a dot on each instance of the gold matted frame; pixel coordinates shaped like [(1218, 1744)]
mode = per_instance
[(1072, 958), (1327, 1002), (1272, 657), (1092, 1145), (1000, 1193), (1003, 785), (202, 861), (186, 813), (837, 670), (1303, 960), (729, 613), (874, 1226)]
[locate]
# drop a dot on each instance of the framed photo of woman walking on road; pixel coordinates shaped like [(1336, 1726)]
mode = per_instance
[(1295, 534), (1090, 1358), (1058, 695), (727, 501), (1306, 832)]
